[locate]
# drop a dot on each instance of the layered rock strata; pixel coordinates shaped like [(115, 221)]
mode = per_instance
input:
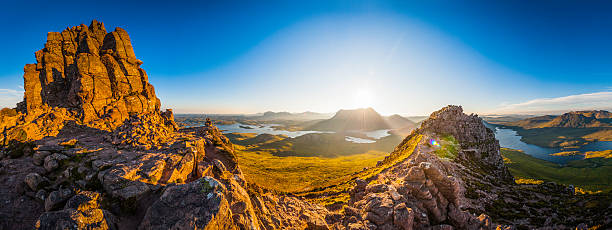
[(83, 74)]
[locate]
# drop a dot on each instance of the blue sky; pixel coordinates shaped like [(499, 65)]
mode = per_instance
[(407, 57)]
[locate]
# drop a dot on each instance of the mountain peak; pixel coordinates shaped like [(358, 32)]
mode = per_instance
[(479, 141), (90, 71), (573, 119), (363, 119), (86, 75)]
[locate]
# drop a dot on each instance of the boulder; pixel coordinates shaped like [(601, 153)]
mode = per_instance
[(52, 161), (35, 181), (57, 198), (39, 157), (82, 211), (200, 204), (75, 219), (83, 200), (403, 216)]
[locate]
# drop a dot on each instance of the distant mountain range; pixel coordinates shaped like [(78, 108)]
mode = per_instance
[(293, 116), (362, 120), (577, 119)]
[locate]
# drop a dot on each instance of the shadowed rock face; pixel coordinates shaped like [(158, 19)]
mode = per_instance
[(89, 71)]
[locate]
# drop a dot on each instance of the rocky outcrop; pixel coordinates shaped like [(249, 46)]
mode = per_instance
[(91, 72), (82, 211), (477, 142), (426, 190), (82, 74), (199, 204), (90, 127)]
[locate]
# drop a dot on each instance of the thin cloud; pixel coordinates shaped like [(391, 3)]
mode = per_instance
[(598, 100), (10, 97)]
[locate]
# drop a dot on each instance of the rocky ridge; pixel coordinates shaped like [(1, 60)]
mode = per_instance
[(91, 163)]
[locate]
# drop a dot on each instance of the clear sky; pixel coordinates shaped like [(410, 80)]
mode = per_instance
[(406, 57)]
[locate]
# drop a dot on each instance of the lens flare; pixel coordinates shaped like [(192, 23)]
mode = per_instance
[(434, 143)]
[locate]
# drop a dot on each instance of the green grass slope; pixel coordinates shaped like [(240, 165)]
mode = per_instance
[(593, 174), (298, 174)]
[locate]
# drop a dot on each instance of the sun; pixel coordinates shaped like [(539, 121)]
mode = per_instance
[(363, 98)]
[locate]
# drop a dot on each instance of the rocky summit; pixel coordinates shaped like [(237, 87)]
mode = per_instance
[(83, 74), (89, 148)]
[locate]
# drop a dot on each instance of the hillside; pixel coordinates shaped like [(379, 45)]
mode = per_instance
[(352, 120), (569, 129), (534, 122), (267, 116), (594, 174), (578, 119), (398, 122)]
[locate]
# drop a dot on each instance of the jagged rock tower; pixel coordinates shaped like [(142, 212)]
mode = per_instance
[(91, 72), (86, 75)]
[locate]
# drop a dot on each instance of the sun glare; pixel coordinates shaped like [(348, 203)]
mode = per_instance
[(363, 98)]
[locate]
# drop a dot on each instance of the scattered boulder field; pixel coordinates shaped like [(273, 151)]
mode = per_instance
[(89, 148)]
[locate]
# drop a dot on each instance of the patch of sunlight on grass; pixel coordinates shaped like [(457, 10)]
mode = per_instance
[(528, 181)]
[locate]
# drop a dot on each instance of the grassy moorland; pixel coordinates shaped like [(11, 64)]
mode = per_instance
[(594, 174), (587, 155), (308, 162), (298, 174), (563, 137), (337, 193), (321, 179)]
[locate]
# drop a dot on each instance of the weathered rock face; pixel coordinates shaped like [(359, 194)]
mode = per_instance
[(477, 142), (83, 74), (200, 204), (422, 192), (89, 71), (81, 211)]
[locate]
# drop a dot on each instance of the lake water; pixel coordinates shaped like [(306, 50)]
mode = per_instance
[(509, 138), (265, 128), (269, 129), (358, 140), (377, 134)]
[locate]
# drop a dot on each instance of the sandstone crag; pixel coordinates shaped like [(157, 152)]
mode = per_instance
[(83, 74)]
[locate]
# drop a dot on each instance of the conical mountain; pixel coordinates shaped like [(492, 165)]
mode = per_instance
[(353, 120)]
